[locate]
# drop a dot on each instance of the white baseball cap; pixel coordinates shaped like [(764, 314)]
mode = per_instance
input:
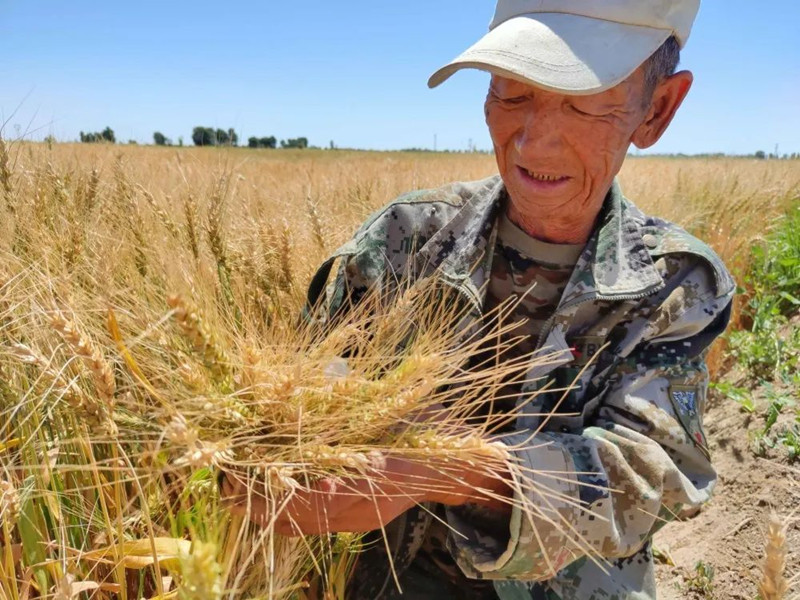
[(574, 46)]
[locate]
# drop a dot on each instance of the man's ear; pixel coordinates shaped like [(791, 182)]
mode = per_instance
[(667, 99)]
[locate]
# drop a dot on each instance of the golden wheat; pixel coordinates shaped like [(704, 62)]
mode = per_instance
[(86, 349), (9, 503), (199, 335), (773, 585), (221, 375)]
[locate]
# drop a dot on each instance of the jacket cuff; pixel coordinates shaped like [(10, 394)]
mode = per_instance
[(485, 553)]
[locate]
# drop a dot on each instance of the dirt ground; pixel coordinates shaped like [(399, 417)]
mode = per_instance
[(728, 535)]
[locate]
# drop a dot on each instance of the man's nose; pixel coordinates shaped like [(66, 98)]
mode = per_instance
[(542, 129)]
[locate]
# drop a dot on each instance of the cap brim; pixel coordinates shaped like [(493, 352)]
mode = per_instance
[(560, 52)]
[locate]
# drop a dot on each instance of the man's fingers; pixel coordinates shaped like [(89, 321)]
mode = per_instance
[(232, 489), (255, 508), (331, 504), (226, 487), (290, 528), (327, 486)]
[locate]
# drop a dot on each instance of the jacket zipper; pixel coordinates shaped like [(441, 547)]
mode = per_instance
[(548, 326)]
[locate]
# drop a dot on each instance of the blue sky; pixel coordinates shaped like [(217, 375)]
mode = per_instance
[(353, 72)]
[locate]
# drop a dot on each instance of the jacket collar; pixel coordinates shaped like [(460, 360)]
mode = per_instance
[(616, 256), (614, 265)]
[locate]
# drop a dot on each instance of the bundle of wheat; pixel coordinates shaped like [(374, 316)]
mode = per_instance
[(113, 438)]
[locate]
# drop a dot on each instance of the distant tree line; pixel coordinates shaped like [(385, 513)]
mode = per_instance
[(263, 142), (761, 155), (300, 142), (208, 136), (107, 135), (272, 142)]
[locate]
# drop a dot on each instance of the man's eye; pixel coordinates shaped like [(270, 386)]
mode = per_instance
[(585, 113), (581, 112), (512, 99)]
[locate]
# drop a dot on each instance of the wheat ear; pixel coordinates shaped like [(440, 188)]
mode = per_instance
[(772, 585), (68, 390), (5, 172), (286, 254), (316, 222), (83, 346), (190, 214), (10, 504), (199, 334), (165, 219)]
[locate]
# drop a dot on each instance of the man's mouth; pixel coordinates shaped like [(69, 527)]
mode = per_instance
[(544, 177)]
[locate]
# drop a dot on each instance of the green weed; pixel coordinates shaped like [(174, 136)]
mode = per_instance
[(781, 437), (701, 582), (790, 440), (742, 396), (770, 349), (778, 401)]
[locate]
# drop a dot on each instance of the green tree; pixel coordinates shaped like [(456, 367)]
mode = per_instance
[(208, 136), (300, 142), (161, 140), (264, 142), (107, 135), (223, 139), (204, 136)]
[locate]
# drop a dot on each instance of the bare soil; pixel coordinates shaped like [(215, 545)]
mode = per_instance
[(728, 535)]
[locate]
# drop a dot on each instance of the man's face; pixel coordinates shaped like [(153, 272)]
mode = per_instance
[(559, 153)]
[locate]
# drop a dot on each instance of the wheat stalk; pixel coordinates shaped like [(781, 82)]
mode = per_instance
[(197, 331), (773, 585), (93, 358), (165, 219), (316, 222), (10, 504), (90, 194), (66, 389), (6, 173), (190, 217), (214, 227), (286, 255)]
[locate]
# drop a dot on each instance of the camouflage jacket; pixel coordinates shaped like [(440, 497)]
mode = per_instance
[(644, 302)]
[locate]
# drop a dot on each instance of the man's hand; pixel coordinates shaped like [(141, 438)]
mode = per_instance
[(359, 504)]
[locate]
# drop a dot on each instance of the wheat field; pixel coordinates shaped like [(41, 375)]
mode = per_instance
[(150, 337)]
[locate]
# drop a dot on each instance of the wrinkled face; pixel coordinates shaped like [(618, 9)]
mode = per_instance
[(558, 153)]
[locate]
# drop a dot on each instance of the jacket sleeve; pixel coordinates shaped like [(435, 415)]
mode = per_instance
[(601, 491)]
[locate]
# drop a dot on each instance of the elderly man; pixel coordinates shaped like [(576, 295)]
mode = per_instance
[(630, 302)]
